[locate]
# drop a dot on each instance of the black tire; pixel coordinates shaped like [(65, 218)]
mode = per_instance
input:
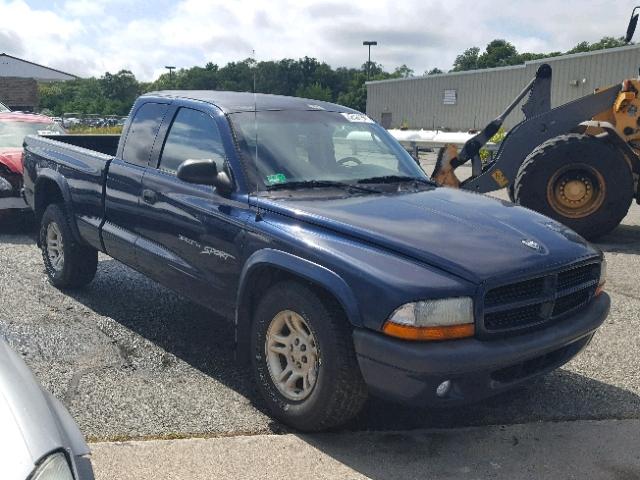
[(79, 263), (511, 191), (339, 391), (601, 162)]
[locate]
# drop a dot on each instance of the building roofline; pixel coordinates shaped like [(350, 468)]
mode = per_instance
[(38, 65), (509, 67)]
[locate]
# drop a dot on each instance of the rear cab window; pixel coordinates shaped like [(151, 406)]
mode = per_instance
[(142, 133)]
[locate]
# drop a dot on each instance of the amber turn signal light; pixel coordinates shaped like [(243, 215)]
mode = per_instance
[(448, 332)]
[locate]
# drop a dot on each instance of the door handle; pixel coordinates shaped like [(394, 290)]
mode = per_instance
[(149, 196)]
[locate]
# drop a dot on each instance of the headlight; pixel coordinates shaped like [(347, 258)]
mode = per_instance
[(603, 276), (5, 186), (54, 467), (432, 320)]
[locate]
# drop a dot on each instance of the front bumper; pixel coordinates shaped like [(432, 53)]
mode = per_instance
[(410, 372), (13, 203)]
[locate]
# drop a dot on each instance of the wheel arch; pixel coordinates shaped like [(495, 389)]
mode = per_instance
[(611, 135), (266, 266), (51, 187)]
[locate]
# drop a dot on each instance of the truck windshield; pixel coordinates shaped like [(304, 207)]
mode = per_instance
[(12, 133), (294, 147)]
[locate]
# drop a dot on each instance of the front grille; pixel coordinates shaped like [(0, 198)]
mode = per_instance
[(514, 292), (578, 276), (536, 302), (570, 302), (512, 318)]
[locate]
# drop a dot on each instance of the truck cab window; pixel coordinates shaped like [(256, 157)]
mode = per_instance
[(193, 136), (142, 133)]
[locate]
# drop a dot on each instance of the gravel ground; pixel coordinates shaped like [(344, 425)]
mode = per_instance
[(130, 359)]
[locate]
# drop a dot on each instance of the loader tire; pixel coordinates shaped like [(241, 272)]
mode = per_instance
[(582, 181)]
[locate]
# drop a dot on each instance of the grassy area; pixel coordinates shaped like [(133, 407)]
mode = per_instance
[(79, 129)]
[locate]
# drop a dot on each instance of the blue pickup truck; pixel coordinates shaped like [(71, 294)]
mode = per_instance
[(344, 268)]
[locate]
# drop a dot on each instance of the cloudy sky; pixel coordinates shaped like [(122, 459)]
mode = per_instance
[(89, 37)]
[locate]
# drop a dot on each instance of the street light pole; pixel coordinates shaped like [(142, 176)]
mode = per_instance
[(369, 43), (171, 69)]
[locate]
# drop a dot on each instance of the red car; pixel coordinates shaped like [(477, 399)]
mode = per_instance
[(14, 126)]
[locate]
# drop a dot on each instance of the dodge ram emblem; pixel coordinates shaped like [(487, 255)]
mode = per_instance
[(532, 244)]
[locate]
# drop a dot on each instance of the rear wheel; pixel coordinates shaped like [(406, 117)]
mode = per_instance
[(68, 264), (303, 358), (579, 180)]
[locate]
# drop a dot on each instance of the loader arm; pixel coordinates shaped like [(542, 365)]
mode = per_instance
[(538, 102), (530, 133)]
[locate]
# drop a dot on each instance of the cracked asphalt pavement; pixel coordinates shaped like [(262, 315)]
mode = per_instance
[(131, 359)]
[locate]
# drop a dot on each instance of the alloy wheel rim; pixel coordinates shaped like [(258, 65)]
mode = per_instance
[(55, 247), (292, 355)]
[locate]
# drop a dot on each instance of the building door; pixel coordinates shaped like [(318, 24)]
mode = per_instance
[(385, 120)]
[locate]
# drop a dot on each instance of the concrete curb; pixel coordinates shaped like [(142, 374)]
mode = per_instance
[(581, 449)]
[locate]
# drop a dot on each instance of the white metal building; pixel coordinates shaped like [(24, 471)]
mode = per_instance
[(19, 81), (17, 67), (468, 100)]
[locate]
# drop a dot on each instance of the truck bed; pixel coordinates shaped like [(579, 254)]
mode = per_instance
[(79, 173), (106, 144)]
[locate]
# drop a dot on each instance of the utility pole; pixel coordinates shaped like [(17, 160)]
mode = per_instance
[(368, 43), (171, 69)]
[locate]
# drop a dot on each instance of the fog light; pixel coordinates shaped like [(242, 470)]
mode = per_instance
[(443, 389)]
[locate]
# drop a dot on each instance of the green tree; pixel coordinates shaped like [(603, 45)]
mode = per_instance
[(603, 43), (315, 91), (433, 71), (403, 71), (499, 53), (467, 60)]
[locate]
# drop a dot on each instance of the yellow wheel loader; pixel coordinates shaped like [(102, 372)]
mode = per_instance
[(578, 163)]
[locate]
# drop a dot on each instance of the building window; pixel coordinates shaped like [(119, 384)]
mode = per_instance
[(450, 97)]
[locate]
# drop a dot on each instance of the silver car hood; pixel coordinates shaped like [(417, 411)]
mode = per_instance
[(33, 422)]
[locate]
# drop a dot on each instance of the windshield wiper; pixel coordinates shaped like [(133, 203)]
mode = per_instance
[(294, 185), (395, 179)]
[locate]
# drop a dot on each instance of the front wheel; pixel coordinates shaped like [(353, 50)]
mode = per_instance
[(303, 358), (68, 264), (579, 180)]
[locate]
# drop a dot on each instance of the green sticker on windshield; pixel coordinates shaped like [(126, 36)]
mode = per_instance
[(276, 178)]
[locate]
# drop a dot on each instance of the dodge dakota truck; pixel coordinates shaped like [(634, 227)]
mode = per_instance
[(345, 270)]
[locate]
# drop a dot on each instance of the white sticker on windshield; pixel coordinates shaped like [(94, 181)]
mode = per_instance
[(48, 132), (357, 117)]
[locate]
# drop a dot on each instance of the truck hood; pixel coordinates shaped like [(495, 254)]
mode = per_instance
[(470, 235), (12, 159)]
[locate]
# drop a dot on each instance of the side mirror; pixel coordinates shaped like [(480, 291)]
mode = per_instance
[(205, 172), (633, 22)]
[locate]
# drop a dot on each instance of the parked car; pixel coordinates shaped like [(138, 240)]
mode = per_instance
[(345, 274), (14, 126), (38, 438)]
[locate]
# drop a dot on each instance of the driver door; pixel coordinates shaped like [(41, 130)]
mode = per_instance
[(190, 235)]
